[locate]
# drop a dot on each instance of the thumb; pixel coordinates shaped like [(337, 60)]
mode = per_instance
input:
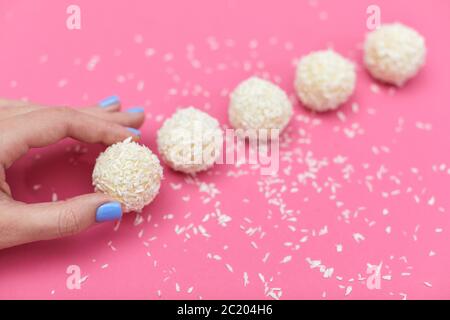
[(64, 218)]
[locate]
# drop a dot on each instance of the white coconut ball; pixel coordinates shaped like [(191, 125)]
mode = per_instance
[(259, 104), (129, 173), (190, 141), (324, 80), (394, 53)]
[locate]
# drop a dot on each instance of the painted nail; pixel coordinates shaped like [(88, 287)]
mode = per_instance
[(109, 101), (108, 212), (134, 131), (136, 110)]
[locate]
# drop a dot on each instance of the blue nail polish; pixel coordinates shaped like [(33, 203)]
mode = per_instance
[(134, 131), (109, 101), (136, 110), (108, 212)]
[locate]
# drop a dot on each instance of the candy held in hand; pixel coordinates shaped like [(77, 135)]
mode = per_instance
[(324, 80), (190, 141), (129, 173), (258, 104), (394, 53)]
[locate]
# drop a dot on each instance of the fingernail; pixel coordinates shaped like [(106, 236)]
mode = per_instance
[(134, 131), (108, 212), (136, 110), (109, 101)]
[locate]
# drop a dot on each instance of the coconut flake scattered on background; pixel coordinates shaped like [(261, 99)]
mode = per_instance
[(363, 186)]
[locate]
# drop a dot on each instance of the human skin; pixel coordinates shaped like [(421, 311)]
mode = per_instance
[(24, 126)]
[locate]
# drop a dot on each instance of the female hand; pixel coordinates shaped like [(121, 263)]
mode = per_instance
[(24, 126)]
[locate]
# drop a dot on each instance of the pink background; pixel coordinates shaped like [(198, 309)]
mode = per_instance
[(391, 155)]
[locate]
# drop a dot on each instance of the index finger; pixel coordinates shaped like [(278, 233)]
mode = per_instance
[(49, 125)]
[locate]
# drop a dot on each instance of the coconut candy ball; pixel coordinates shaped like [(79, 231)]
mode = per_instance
[(190, 141), (324, 80), (257, 104), (394, 53), (129, 173)]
